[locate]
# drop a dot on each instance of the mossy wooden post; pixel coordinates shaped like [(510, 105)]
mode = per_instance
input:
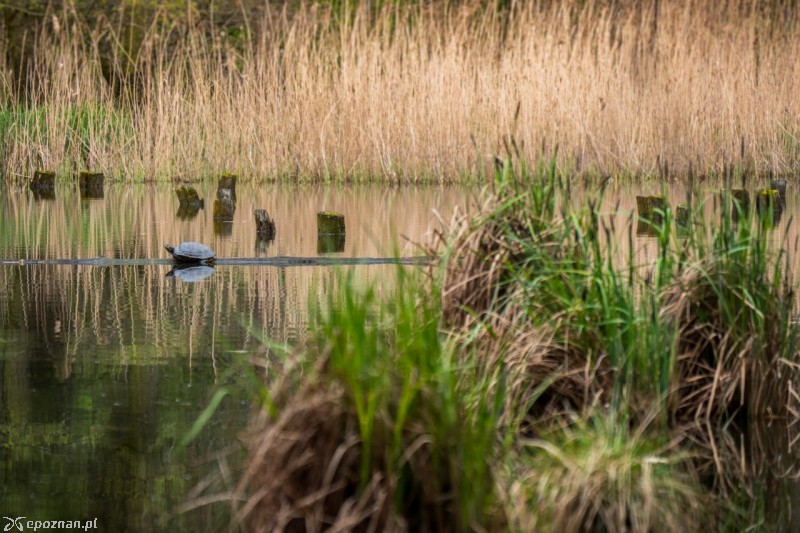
[(682, 215), (265, 226), (780, 186), (330, 232), (224, 207), (91, 184), (738, 200), (767, 199), (188, 197), (228, 181), (651, 208), (189, 202), (43, 184)]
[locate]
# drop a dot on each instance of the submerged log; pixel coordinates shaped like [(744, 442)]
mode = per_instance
[(228, 181), (43, 184), (651, 208), (265, 226), (224, 206), (91, 184)]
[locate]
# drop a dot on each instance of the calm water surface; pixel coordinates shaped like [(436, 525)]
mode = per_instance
[(103, 370)]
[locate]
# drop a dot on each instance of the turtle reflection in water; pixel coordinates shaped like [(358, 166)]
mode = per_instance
[(193, 261), (191, 252), (190, 273)]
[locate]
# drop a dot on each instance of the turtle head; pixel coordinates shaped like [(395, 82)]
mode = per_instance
[(169, 248)]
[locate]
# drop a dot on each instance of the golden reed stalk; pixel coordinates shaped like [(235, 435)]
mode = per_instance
[(423, 92)]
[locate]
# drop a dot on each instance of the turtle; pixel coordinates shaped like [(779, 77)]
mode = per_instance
[(191, 252)]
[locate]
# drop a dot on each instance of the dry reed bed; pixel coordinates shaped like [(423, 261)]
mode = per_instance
[(419, 92)]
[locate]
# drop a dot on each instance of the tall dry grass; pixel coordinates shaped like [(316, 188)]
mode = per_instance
[(415, 92)]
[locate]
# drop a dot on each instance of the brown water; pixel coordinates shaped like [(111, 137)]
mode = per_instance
[(103, 370)]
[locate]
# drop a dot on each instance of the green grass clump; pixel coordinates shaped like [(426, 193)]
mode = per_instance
[(380, 426)]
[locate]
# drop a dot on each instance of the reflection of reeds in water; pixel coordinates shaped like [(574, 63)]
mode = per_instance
[(408, 92), (133, 313)]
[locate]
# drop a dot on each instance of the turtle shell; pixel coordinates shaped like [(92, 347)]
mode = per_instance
[(191, 252)]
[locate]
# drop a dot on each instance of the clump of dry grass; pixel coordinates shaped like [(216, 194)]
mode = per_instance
[(596, 474), (304, 468), (414, 92), (735, 343)]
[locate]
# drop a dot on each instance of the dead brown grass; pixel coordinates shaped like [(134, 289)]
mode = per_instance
[(303, 472), (425, 92)]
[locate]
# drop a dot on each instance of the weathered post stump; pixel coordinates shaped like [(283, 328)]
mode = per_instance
[(265, 226), (780, 186), (651, 208), (189, 202), (330, 232), (91, 184), (646, 228), (224, 206), (769, 200), (188, 197), (43, 184), (228, 181), (682, 215)]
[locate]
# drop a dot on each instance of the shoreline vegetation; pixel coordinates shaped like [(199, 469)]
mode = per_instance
[(399, 92), (540, 379)]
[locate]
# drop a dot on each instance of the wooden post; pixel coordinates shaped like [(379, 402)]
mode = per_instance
[(43, 184), (188, 197), (651, 208), (228, 181), (682, 215), (91, 184), (224, 207), (780, 186), (265, 226), (330, 232)]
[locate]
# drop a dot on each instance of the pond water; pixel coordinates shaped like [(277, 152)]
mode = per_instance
[(104, 369)]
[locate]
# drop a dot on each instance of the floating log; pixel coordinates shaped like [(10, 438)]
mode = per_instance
[(91, 184), (228, 181), (188, 197), (651, 208), (330, 223), (43, 184), (224, 206), (280, 261), (265, 226)]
